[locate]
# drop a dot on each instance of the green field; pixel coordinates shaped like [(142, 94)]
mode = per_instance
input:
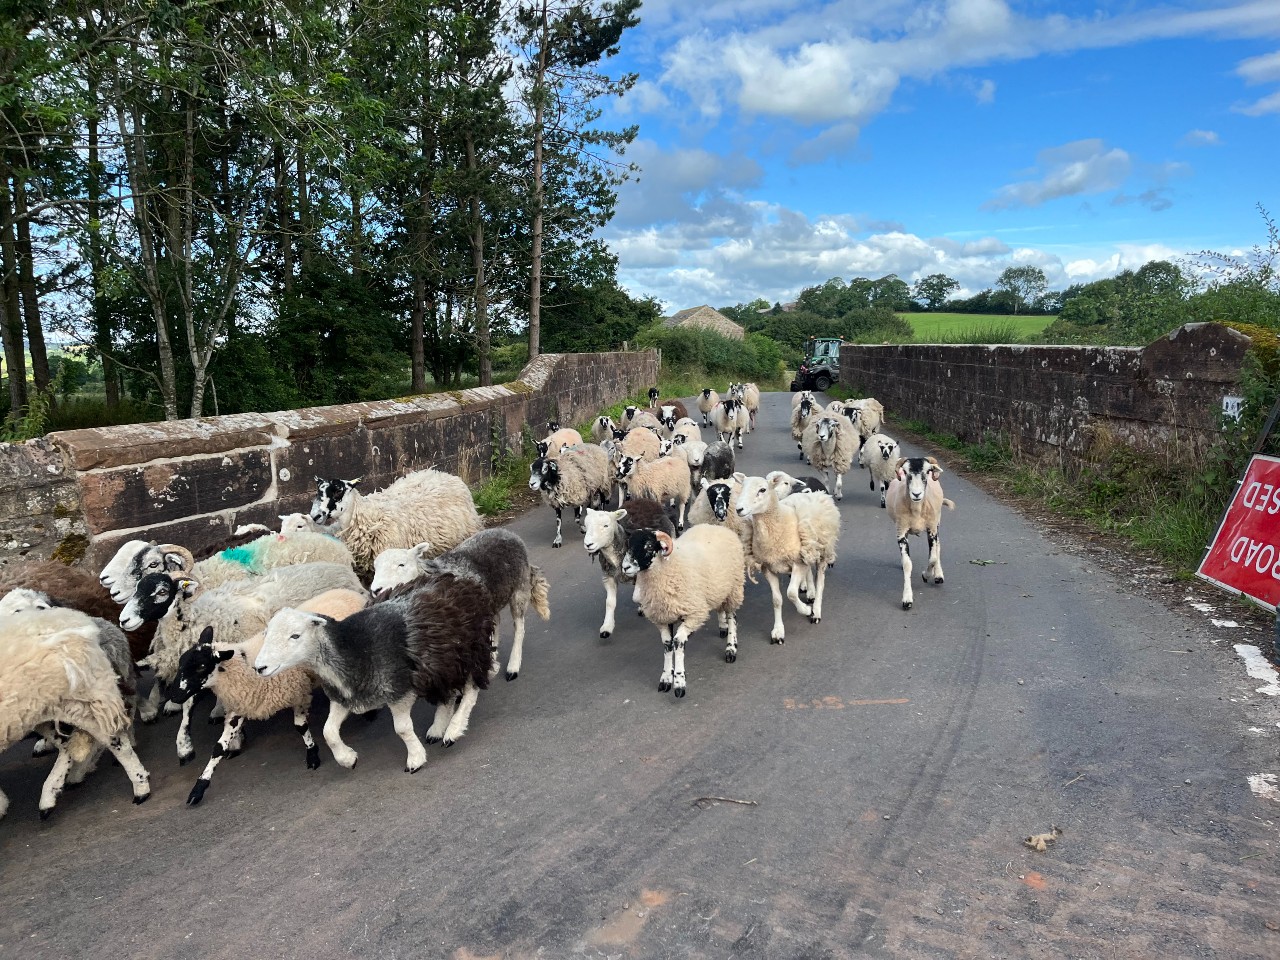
[(941, 327)]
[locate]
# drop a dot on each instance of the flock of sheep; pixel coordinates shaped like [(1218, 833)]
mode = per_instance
[(385, 598)]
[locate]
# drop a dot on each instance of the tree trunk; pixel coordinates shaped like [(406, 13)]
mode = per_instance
[(418, 319), (535, 258), (304, 215), (284, 220), (477, 263), (357, 232), (14, 357), (102, 333), (27, 286)]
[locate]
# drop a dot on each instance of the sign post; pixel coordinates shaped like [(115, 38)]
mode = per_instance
[(1244, 557)]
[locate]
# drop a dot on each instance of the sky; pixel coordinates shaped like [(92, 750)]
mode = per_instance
[(784, 143)]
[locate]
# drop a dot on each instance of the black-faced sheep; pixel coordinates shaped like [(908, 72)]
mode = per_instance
[(915, 501), (228, 672), (496, 559), (57, 675), (880, 455), (602, 429), (801, 413), (633, 418), (730, 420), (430, 639), (708, 400), (424, 505), (797, 536), (580, 477), (605, 540), (557, 439), (680, 582), (664, 480)]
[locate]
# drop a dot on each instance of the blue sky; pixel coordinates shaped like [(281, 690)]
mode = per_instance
[(783, 143)]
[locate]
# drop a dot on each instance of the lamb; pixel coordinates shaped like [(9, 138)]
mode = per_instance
[(65, 586), (708, 400), (301, 523), (181, 608), (729, 419), (57, 672), (717, 461), (496, 559), (430, 639), (605, 540), (830, 444), (426, 505), (801, 413), (880, 454), (661, 480), (227, 671), (602, 429), (694, 453), (680, 583), (794, 536), (556, 440), (687, 428), (634, 418), (580, 477), (915, 501), (801, 395)]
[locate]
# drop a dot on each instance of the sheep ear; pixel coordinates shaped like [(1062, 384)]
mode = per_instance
[(318, 479), (740, 477), (225, 655), (704, 482), (665, 542), (206, 637), (619, 515), (422, 551), (188, 587), (319, 619), (935, 471), (175, 561)]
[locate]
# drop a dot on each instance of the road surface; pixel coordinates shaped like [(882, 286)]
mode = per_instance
[(889, 765)]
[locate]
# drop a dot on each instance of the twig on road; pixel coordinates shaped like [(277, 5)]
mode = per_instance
[(1070, 782), (745, 803)]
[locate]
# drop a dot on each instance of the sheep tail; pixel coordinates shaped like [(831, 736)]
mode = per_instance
[(949, 504), (538, 595), (79, 746)]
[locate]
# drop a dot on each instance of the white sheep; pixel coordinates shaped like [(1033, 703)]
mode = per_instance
[(688, 428), (915, 501), (867, 416), (640, 442), (748, 395), (665, 480), (708, 400), (714, 504), (424, 505), (801, 414), (605, 539), (580, 477), (797, 536), (56, 672), (730, 420), (801, 395), (831, 442), (880, 454), (680, 582), (228, 672), (694, 453)]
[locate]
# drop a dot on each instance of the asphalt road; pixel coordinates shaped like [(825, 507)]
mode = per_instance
[(890, 764)]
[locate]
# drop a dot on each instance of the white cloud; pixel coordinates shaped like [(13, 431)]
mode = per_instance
[(1201, 138), (1263, 69), (690, 185), (1078, 168), (985, 92), (1259, 108)]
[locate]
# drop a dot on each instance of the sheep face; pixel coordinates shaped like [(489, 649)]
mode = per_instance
[(330, 497), (886, 449), (852, 414), (706, 393), (544, 474), (295, 523), (619, 434), (118, 566), (391, 568), (601, 526), (147, 559), (154, 597), (606, 423), (755, 497), (665, 446), (806, 407), (627, 466), (720, 496), (629, 414), (916, 472), (669, 421), (552, 426), (542, 447), (643, 548), (196, 667), (21, 600), (828, 430), (292, 637)]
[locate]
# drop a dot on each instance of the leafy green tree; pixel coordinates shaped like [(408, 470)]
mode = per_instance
[(934, 289), (1024, 284)]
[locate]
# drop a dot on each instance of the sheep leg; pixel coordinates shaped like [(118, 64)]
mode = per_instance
[(519, 606), (186, 749), (219, 712), (57, 778), (44, 746), (935, 557), (905, 548), (402, 720), (559, 539), (677, 673), (149, 708), (494, 665), (4, 804), (344, 755), (462, 715), (884, 486), (800, 447), (81, 769), (739, 433), (610, 605), (668, 651), (729, 620), (799, 575), (839, 485), (815, 615), (303, 726), (123, 751), (779, 633), (682, 511), (223, 748), (444, 714)]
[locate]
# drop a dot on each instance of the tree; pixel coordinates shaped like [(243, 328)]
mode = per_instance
[(1024, 284), (934, 289)]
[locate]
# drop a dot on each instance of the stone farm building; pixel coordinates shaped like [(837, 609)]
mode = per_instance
[(706, 318)]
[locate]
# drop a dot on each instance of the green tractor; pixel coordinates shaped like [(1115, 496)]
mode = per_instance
[(821, 365)]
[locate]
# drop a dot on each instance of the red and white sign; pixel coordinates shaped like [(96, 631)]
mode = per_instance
[(1245, 554)]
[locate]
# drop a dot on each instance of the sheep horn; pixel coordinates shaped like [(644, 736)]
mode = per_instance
[(187, 556)]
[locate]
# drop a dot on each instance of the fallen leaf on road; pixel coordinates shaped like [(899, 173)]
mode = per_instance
[(986, 563), (1041, 841)]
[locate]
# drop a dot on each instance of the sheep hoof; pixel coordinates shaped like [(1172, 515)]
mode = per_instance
[(605, 634), (184, 759), (731, 656), (679, 691), (777, 640), (448, 743), (431, 739), (906, 604), (639, 612), (149, 720), (555, 544), (664, 686), (937, 579), (313, 758), (882, 506), (197, 792), (413, 769), (511, 675), (142, 799)]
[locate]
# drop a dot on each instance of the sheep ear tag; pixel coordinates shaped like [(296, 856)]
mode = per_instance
[(188, 587)]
